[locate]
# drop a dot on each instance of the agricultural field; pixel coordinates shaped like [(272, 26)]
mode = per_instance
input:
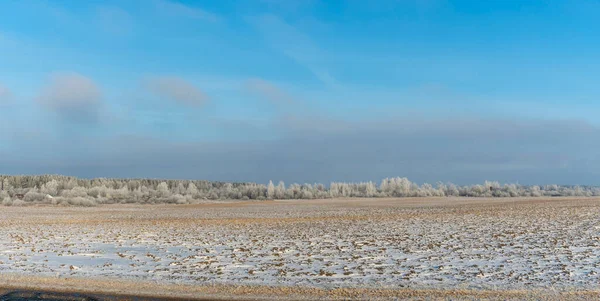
[(328, 249)]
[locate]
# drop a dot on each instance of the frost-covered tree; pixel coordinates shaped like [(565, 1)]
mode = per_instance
[(271, 190), (191, 190), (163, 189), (280, 190), (50, 188), (180, 189), (370, 190), (62, 190)]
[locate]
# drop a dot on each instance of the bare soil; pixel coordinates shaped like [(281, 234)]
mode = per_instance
[(389, 248)]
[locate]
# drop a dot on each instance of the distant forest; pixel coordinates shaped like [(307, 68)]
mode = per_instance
[(64, 190)]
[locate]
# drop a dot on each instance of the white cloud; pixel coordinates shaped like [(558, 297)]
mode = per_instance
[(176, 89)]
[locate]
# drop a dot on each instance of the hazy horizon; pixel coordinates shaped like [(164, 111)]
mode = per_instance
[(302, 91)]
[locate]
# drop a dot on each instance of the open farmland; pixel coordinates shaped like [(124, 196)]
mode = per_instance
[(331, 248)]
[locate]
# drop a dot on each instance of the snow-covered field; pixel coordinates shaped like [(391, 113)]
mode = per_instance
[(382, 243)]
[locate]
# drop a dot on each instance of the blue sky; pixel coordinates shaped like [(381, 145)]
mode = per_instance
[(303, 91)]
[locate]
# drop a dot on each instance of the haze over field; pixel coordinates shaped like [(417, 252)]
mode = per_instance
[(302, 91)]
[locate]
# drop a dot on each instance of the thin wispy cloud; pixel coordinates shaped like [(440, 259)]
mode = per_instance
[(6, 95), (296, 45), (72, 96), (114, 20), (269, 91), (178, 9), (8, 41), (176, 89)]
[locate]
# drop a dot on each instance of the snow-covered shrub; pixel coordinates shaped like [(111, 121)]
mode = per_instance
[(7, 201), (75, 192), (35, 197), (81, 201), (18, 202)]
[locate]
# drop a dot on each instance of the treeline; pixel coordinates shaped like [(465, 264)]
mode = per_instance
[(63, 190)]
